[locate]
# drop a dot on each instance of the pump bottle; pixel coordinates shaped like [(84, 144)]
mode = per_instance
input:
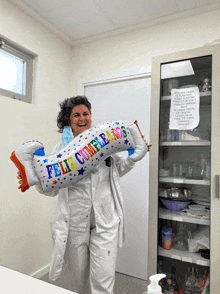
[(154, 287)]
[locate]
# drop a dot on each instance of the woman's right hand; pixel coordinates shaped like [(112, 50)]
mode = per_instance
[(20, 179)]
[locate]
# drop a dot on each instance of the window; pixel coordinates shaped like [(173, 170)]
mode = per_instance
[(16, 71)]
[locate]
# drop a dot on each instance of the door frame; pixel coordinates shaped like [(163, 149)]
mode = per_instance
[(129, 74)]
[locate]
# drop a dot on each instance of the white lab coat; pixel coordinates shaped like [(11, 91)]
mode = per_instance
[(60, 227)]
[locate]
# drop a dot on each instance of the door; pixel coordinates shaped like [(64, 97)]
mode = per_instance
[(128, 100), (184, 72)]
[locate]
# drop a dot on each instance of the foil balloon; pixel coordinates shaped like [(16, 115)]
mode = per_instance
[(74, 161)]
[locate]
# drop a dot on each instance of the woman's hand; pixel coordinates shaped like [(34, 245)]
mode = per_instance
[(20, 178)]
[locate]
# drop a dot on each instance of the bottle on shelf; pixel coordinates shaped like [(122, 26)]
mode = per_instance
[(191, 284), (182, 135), (163, 281), (171, 286), (196, 289), (188, 287), (169, 133), (174, 281), (193, 277), (175, 135)]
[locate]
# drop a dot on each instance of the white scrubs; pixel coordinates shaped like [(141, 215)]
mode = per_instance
[(93, 233), (89, 227)]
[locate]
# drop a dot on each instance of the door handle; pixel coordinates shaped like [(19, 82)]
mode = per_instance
[(217, 186)]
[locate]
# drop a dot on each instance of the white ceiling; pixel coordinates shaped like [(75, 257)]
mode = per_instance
[(80, 19)]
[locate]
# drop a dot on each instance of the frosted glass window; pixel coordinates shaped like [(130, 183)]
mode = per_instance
[(12, 73), (16, 71)]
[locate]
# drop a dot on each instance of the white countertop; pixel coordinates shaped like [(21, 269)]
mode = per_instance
[(13, 282)]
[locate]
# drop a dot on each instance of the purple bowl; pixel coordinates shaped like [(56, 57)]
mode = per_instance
[(175, 205)]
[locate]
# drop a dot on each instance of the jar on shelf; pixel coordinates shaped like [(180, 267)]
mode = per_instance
[(167, 239), (190, 170), (206, 85), (168, 85)]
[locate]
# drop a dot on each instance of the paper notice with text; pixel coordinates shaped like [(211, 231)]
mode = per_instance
[(184, 109)]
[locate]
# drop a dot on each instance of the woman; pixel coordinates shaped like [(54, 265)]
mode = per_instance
[(89, 228)]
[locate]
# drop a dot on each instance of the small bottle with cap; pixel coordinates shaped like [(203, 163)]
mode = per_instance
[(154, 287)]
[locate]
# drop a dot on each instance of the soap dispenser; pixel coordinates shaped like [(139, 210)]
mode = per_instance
[(154, 287)]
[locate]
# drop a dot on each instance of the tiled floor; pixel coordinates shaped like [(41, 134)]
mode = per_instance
[(123, 284)]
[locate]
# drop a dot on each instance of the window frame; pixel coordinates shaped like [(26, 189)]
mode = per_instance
[(28, 57)]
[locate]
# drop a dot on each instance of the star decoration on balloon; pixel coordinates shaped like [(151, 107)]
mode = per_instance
[(59, 155), (45, 160), (81, 171)]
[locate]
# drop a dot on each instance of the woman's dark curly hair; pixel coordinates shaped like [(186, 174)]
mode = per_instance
[(63, 117)]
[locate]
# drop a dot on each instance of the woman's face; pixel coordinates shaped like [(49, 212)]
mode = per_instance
[(80, 119)]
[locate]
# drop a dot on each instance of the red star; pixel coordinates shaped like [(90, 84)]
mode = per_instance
[(54, 182)]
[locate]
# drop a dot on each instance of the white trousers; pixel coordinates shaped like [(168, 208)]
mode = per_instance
[(91, 258)]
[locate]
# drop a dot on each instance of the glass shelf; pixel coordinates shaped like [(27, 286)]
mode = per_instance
[(185, 256), (178, 216), (184, 181), (205, 99), (186, 143)]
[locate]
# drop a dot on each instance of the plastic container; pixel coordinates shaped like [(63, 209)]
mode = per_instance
[(167, 239), (196, 209)]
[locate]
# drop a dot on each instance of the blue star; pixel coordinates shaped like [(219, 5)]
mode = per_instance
[(126, 141), (81, 171), (59, 155), (101, 154), (45, 160), (117, 123)]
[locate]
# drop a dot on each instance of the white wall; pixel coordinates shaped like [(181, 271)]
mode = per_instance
[(25, 243), (135, 49), (24, 217), (113, 55)]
